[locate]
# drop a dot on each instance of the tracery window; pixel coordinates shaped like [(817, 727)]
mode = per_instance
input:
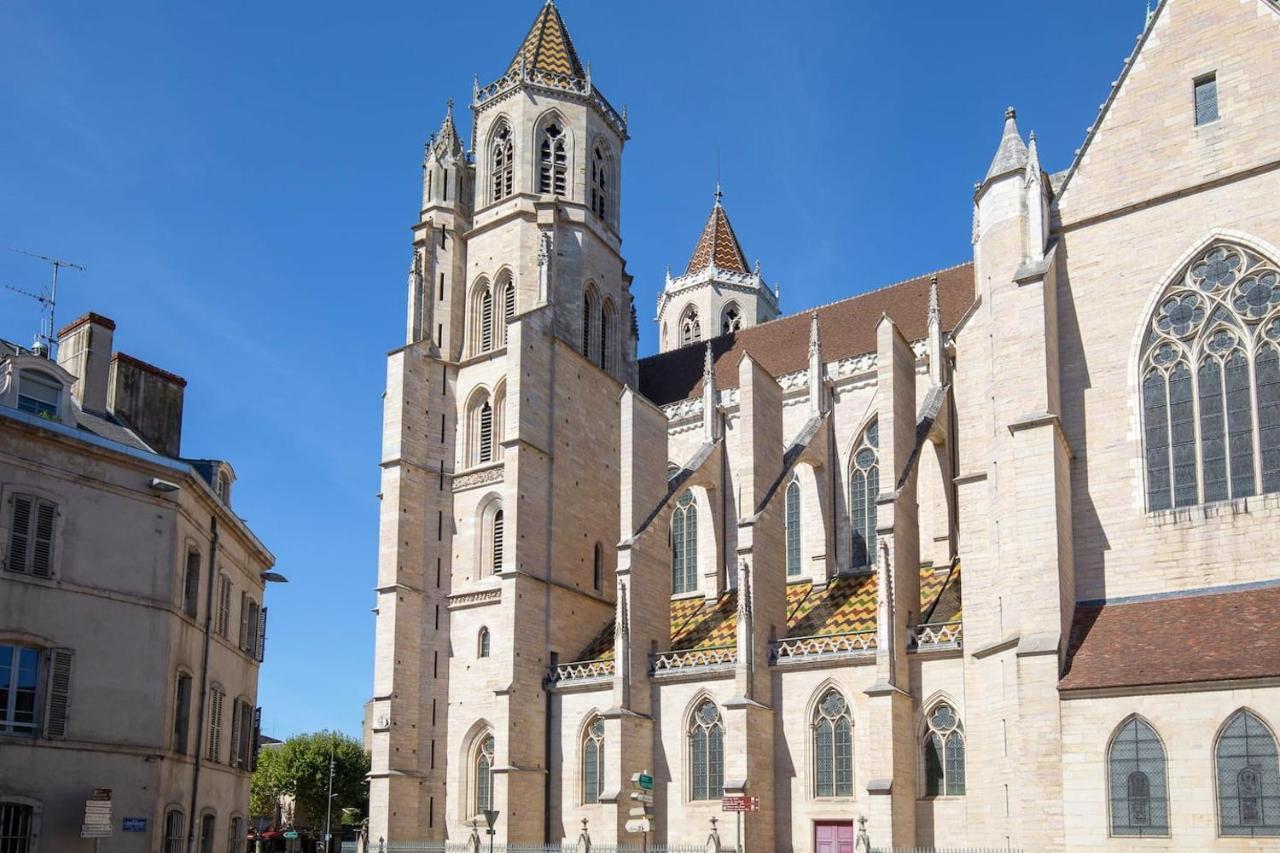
[(706, 753), (1248, 778), (732, 320), (793, 529), (483, 770), (552, 161), (1211, 382), (832, 747), (501, 157), (593, 762), (600, 183), (684, 545), (864, 487), (1137, 779), (690, 327), (943, 753)]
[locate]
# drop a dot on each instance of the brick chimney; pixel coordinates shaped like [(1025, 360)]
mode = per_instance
[(84, 351), (149, 401)]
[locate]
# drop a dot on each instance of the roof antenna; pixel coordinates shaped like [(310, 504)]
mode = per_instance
[(48, 300)]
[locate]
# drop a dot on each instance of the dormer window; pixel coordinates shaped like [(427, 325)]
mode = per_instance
[(38, 394), (224, 487)]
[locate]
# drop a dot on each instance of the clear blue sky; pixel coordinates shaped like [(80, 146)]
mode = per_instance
[(240, 179)]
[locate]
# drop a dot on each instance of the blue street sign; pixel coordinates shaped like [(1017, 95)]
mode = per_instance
[(134, 824)]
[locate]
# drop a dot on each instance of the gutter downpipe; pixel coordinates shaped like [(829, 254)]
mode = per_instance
[(204, 683)]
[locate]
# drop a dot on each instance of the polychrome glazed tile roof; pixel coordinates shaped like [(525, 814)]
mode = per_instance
[(846, 605), (718, 245), (548, 47)]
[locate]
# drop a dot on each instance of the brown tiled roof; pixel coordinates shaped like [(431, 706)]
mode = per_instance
[(718, 245), (845, 605), (1200, 637), (847, 328), (548, 47)]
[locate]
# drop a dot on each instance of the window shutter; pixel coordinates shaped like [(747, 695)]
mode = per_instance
[(235, 733), (20, 534), (224, 604), (215, 725), (244, 620), (59, 704), (262, 634), (255, 738), (42, 548)]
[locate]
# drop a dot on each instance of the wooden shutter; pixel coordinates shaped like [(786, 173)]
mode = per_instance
[(244, 620), (42, 545), (262, 634), (58, 708), (20, 533), (255, 739), (236, 733), (224, 604), (215, 725)]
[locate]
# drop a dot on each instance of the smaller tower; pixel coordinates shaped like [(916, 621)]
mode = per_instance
[(718, 292)]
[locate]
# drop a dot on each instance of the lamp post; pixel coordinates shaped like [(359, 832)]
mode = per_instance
[(328, 805)]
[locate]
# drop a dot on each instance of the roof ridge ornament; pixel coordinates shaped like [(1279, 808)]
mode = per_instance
[(1011, 155)]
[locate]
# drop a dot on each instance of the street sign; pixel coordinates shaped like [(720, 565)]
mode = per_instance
[(491, 815), (639, 811), (638, 825), (134, 824), (291, 834), (97, 815), (643, 780), (740, 803), (641, 797)]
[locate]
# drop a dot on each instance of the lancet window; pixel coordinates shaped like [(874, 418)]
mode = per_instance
[(864, 488), (1137, 779)]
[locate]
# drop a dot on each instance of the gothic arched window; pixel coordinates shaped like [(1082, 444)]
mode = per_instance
[(1248, 778), (553, 160), (507, 301), (864, 487), (731, 320), (690, 327), (943, 753), (600, 172), (486, 432), (483, 772), (590, 304), (684, 545), (497, 532), (481, 317), (593, 762), (482, 643), (706, 753), (608, 322), (793, 529), (501, 157), (1138, 781), (832, 747), (1211, 381)]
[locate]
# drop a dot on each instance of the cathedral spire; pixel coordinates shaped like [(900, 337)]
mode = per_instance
[(548, 48), (446, 140), (718, 246), (1012, 153)]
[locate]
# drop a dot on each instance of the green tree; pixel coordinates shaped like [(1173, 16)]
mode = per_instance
[(299, 767)]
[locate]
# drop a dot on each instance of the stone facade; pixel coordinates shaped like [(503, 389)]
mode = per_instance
[(140, 608), (771, 526)]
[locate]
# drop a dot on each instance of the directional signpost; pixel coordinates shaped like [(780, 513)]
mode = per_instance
[(739, 803), (97, 817), (641, 816)]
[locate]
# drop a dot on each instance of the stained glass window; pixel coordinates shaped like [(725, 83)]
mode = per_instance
[(706, 753), (864, 488), (1248, 778), (684, 545), (832, 747), (1211, 382), (1137, 780), (943, 753), (793, 529), (593, 762), (484, 775)]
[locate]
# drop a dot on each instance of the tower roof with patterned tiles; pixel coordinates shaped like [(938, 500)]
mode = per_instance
[(548, 47), (718, 246)]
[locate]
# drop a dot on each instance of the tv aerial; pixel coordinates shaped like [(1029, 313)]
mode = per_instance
[(47, 299)]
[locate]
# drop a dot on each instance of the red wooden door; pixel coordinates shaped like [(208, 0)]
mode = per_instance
[(833, 837)]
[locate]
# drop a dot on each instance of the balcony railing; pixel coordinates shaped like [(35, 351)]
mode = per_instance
[(936, 636), (581, 671), (670, 663), (854, 643)]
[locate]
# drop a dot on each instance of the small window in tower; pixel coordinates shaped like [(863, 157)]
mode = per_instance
[(554, 161), (1206, 89)]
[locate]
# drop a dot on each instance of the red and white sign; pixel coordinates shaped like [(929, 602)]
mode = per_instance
[(97, 815), (740, 803)]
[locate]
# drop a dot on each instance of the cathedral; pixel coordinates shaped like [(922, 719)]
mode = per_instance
[(982, 556)]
